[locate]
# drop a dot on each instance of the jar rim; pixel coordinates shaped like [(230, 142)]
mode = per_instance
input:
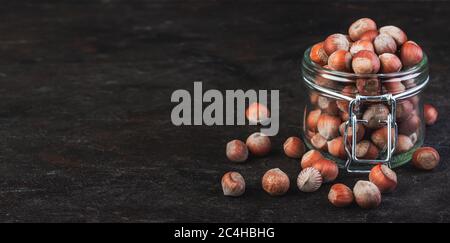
[(346, 77)]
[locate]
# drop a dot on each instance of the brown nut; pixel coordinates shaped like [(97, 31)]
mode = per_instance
[(237, 151), (425, 158), (369, 35), (344, 116), (403, 110), (404, 144), (368, 87), (359, 131), (327, 105), (366, 150), (410, 54), (365, 62), (379, 137), (384, 43), (340, 60), (383, 177), (318, 54), (375, 114), (359, 27), (410, 124), (233, 184), (335, 42), (294, 147), (389, 63), (396, 33), (327, 168), (328, 126), (361, 45), (348, 90), (340, 195), (367, 195), (319, 142), (430, 113), (309, 158), (275, 182), (257, 113), (336, 147), (258, 144), (312, 118), (313, 97), (393, 86)]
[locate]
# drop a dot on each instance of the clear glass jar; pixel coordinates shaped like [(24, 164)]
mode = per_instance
[(341, 103)]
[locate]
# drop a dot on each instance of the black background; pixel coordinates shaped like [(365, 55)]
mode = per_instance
[(85, 127)]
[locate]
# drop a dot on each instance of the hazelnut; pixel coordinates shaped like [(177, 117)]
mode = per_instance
[(361, 45), (318, 54), (309, 180), (340, 195), (403, 109), (389, 63), (425, 158), (369, 87), (365, 62), (313, 97), (294, 147), (379, 137), (257, 113), (233, 184), (327, 105), (375, 114), (410, 54), (258, 144), (335, 42), (327, 168), (360, 26), (319, 142), (344, 116), (309, 134), (309, 158), (367, 195), (359, 132), (430, 113), (348, 90), (369, 35), (340, 60), (384, 43), (312, 118), (324, 82), (383, 177), (404, 144), (393, 86), (396, 33), (366, 150), (237, 151), (336, 147), (409, 125), (275, 182), (328, 126)]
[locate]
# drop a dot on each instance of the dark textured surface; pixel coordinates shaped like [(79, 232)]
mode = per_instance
[(85, 132)]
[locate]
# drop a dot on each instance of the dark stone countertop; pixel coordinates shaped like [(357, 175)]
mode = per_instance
[(86, 135)]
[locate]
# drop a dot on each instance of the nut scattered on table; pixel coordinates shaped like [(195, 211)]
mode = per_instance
[(275, 182), (233, 184)]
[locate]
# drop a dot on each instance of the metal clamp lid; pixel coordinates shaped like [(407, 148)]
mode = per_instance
[(353, 122)]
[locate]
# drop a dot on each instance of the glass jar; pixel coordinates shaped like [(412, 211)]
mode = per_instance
[(371, 106)]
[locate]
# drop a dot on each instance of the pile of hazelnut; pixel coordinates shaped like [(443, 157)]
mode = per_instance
[(366, 50)]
